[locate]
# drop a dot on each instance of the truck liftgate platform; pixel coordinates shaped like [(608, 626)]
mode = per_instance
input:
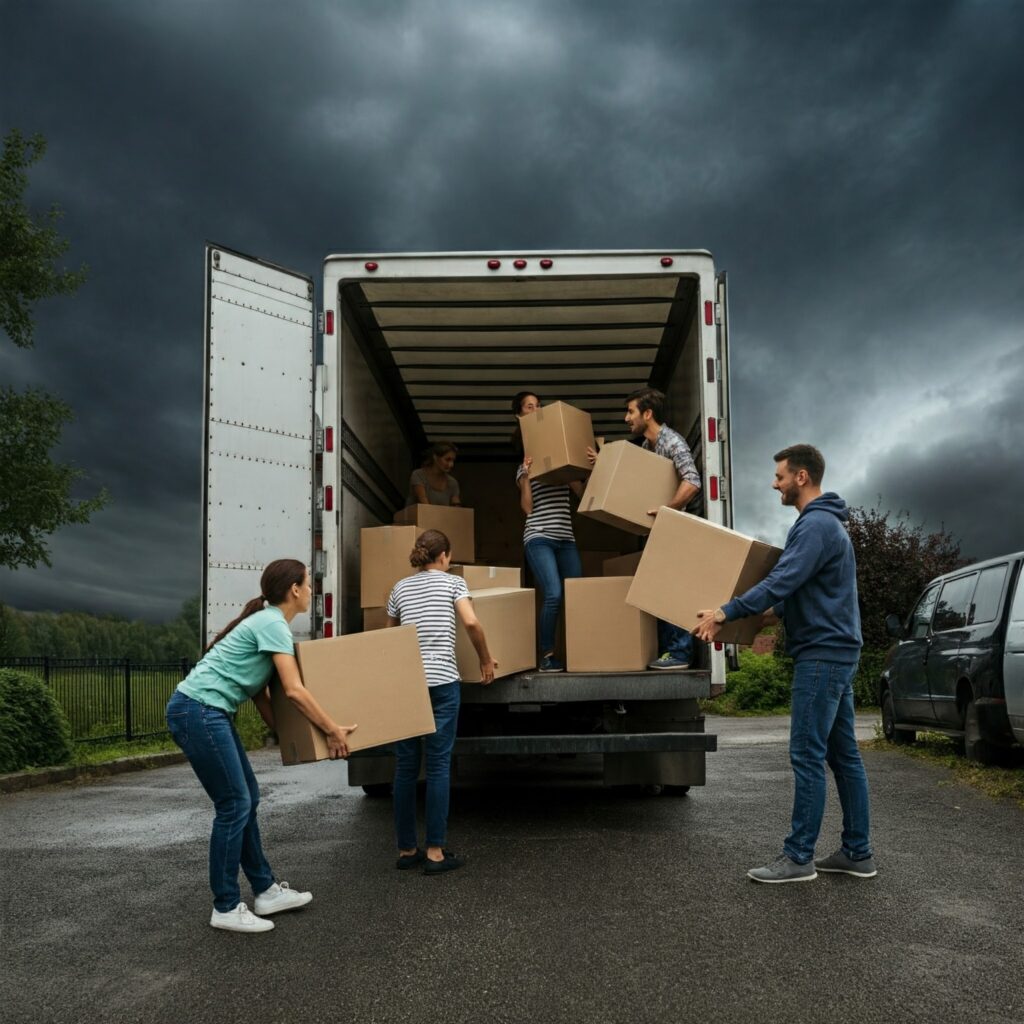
[(647, 726)]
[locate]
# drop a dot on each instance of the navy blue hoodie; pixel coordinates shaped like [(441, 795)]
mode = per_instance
[(813, 586)]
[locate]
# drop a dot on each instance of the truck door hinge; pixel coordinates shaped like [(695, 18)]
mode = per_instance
[(320, 322), (318, 441), (723, 489), (319, 499), (718, 313), (723, 430), (319, 565)]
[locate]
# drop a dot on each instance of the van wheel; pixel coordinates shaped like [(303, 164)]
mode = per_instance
[(900, 737), (377, 789), (976, 747)]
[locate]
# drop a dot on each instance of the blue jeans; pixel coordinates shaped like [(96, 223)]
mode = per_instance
[(208, 739), (445, 700), (675, 641), (822, 732), (551, 561)]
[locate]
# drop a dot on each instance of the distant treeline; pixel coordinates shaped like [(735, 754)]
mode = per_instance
[(80, 635)]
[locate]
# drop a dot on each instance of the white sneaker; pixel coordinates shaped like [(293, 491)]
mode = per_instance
[(281, 897), (241, 919)]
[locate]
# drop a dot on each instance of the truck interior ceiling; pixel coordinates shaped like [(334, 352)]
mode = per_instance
[(452, 353)]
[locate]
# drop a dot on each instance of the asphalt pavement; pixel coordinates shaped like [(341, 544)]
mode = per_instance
[(578, 904)]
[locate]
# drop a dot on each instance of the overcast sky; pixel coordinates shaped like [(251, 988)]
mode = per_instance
[(857, 168)]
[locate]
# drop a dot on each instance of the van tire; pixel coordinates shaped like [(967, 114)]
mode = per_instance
[(976, 747), (901, 737)]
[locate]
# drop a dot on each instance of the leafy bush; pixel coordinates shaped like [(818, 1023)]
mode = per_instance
[(761, 683), (33, 729), (865, 683)]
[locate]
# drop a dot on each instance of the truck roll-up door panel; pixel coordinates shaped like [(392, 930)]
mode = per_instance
[(258, 441)]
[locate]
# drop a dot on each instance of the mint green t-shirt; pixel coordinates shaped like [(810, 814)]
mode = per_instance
[(238, 667)]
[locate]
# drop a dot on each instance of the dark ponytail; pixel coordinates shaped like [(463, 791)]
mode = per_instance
[(516, 440), (278, 578), (430, 546)]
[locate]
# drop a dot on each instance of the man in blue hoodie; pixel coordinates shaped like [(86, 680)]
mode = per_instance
[(813, 588)]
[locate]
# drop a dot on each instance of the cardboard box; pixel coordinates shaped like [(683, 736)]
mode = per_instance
[(602, 632), (486, 577), (556, 437), (507, 616), (455, 522), (383, 560), (373, 680), (374, 618), (622, 565), (626, 482), (690, 564)]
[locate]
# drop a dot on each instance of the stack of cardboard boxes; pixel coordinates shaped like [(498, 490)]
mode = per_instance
[(609, 615)]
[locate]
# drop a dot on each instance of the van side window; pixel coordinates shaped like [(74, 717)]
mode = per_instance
[(922, 616), (951, 611), (985, 603), (1017, 611)]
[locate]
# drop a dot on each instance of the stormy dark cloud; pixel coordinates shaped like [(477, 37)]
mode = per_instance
[(855, 167)]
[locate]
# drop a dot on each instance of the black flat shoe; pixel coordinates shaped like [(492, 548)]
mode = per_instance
[(410, 860), (439, 867)]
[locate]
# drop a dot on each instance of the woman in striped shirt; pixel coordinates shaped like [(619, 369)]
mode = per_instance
[(548, 539), (430, 600)]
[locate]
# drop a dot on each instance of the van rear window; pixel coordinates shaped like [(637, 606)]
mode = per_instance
[(985, 604)]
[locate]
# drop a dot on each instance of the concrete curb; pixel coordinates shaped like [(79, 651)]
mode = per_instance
[(15, 782)]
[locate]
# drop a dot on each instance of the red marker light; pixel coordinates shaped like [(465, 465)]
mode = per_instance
[(713, 488), (719, 645), (712, 429), (493, 264), (667, 261), (329, 439), (709, 312), (519, 264), (329, 322), (329, 606), (329, 498), (328, 629), (546, 264), (370, 266)]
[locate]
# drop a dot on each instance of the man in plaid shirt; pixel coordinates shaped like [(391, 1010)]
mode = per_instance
[(645, 412)]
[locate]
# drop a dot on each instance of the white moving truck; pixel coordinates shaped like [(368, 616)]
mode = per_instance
[(306, 444)]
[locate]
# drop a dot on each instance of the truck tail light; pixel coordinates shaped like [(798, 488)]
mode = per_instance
[(329, 322), (719, 645), (546, 264), (328, 498), (329, 439), (371, 266), (713, 488), (712, 429), (667, 261), (519, 264), (493, 264), (328, 606), (328, 629), (709, 312)]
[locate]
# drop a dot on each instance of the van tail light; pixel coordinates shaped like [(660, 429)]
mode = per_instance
[(712, 429), (328, 629), (709, 312), (719, 645), (329, 322), (713, 488), (328, 498), (329, 439), (328, 606)]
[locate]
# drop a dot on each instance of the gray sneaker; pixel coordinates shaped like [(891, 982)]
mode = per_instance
[(782, 869), (842, 864)]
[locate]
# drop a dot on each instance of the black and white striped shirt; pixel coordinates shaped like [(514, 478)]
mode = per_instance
[(552, 511), (427, 601)]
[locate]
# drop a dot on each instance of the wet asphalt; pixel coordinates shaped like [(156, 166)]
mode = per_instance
[(578, 904)]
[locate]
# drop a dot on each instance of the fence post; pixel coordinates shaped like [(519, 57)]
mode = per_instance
[(46, 669), (127, 699)]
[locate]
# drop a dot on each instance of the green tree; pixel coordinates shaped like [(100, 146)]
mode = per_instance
[(894, 562), (35, 491)]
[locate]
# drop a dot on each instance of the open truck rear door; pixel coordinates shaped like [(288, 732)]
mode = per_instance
[(258, 441)]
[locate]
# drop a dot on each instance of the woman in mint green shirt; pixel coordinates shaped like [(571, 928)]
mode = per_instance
[(236, 668)]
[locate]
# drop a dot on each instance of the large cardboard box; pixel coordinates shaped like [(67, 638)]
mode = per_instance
[(507, 616), (383, 560), (374, 618), (689, 564), (602, 632), (455, 522), (626, 482), (372, 680), (484, 577), (556, 437), (622, 565)]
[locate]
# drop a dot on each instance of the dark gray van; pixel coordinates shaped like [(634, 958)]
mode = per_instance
[(958, 667)]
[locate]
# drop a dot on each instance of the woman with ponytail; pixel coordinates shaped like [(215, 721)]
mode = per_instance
[(235, 668), (430, 600)]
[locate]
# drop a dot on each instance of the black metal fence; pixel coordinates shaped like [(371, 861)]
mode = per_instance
[(111, 698)]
